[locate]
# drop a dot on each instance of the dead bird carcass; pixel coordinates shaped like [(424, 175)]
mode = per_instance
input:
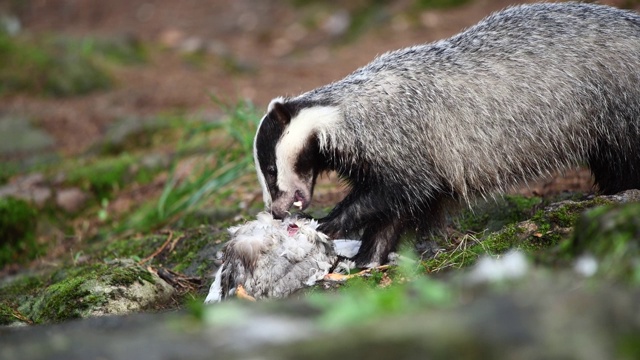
[(271, 258)]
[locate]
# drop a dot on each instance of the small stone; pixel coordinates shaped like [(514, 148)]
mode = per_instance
[(191, 45), (71, 200), (171, 37), (29, 188), (338, 23)]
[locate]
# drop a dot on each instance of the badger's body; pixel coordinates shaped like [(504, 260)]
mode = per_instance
[(527, 91)]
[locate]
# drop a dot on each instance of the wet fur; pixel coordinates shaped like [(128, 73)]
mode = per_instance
[(526, 92)]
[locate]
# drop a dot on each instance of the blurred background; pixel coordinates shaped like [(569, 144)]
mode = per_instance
[(75, 67)]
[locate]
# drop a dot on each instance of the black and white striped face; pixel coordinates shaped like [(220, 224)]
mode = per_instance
[(286, 152)]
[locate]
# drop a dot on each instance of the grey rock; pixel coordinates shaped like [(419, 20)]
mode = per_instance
[(18, 135), (71, 199)]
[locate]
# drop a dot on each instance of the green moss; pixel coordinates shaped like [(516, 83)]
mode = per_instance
[(14, 292), (193, 250), (7, 170), (127, 276), (627, 346), (460, 256), (612, 233), (543, 236), (74, 292), (18, 221), (194, 254), (565, 214), (102, 176), (125, 50), (469, 248), (503, 240), (65, 300), (6, 314), (134, 247), (20, 286), (493, 215), (503, 227)]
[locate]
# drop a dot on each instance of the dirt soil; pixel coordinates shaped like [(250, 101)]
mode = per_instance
[(254, 49)]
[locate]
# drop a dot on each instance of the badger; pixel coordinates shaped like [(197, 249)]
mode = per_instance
[(528, 91)]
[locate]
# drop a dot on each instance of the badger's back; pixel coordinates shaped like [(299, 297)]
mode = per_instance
[(527, 91)]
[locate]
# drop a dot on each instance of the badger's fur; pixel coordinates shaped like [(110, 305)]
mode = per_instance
[(527, 91)]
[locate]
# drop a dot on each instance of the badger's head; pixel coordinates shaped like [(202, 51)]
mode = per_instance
[(287, 150)]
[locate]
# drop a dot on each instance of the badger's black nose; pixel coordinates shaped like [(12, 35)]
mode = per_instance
[(278, 214)]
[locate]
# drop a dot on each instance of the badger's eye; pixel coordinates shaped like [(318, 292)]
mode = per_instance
[(271, 170)]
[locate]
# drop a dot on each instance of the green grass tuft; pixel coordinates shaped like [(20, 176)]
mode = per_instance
[(223, 164), (18, 222)]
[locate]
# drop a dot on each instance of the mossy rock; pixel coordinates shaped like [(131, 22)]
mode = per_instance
[(118, 287), (612, 234), (545, 235), (493, 215), (191, 252)]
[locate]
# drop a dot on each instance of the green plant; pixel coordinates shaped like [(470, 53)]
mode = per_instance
[(17, 231), (231, 159), (102, 176), (125, 50), (359, 302)]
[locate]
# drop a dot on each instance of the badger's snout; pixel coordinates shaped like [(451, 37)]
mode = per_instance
[(278, 212)]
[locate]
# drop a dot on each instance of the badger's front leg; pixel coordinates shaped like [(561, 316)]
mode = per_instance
[(378, 240), (371, 212), (355, 211)]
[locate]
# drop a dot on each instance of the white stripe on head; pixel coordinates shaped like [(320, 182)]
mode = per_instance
[(279, 99), (266, 196), (318, 120)]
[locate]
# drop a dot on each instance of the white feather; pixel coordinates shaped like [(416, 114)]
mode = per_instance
[(215, 291)]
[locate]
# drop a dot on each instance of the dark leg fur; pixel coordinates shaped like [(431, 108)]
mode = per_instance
[(371, 212), (353, 213), (429, 223), (616, 171), (382, 224), (379, 239)]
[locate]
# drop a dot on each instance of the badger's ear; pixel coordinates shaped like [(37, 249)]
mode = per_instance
[(279, 112)]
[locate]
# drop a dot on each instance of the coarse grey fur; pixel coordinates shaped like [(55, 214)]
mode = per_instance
[(528, 91)]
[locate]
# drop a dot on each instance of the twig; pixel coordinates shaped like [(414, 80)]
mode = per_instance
[(18, 315), (159, 250), (342, 277), (175, 242), (179, 281)]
